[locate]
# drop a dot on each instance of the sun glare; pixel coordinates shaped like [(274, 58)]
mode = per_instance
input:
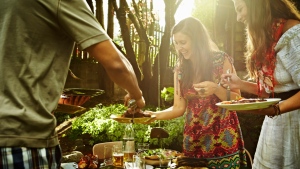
[(184, 10)]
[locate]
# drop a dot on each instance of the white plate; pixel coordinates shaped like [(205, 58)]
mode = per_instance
[(249, 106), (71, 165)]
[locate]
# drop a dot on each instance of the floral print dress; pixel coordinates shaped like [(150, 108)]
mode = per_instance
[(211, 132)]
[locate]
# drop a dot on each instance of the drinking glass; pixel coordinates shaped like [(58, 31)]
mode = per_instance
[(145, 146), (118, 156), (137, 162), (142, 147), (108, 155)]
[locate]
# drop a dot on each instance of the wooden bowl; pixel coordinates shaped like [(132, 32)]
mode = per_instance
[(156, 162)]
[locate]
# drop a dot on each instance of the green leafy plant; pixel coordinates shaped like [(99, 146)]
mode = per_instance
[(167, 94), (97, 123), (61, 117)]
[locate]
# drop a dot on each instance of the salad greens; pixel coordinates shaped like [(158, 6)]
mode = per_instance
[(161, 153)]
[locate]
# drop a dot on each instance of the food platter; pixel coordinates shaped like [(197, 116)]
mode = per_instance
[(249, 106), (151, 157), (82, 92), (157, 162), (141, 120), (69, 109)]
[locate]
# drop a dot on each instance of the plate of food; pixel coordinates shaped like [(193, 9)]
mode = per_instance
[(82, 92), (159, 156), (248, 104), (137, 117)]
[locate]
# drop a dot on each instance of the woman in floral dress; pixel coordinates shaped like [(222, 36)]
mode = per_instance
[(210, 132)]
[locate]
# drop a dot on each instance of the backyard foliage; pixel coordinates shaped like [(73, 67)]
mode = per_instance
[(97, 123)]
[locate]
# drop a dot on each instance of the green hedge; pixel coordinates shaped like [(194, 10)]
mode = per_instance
[(97, 123)]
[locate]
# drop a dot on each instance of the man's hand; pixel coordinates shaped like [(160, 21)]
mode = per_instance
[(140, 103)]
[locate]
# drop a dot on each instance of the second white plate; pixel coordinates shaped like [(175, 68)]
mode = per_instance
[(249, 106)]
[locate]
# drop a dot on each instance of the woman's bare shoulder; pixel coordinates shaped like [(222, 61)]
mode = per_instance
[(289, 24)]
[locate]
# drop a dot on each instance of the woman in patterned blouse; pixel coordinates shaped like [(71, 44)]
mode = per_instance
[(272, 60)]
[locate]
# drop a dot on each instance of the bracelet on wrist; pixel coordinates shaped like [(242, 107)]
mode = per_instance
[(276, 110)]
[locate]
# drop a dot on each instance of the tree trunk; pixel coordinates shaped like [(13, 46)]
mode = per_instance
[(161, 61), (99, 12), (150, 83), (136, 19), (110, 20), (121, 16)]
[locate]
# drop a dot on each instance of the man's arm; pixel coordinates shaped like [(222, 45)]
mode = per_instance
[(118, 68)]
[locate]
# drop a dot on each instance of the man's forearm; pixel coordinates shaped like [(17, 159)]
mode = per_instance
[(126, 79), (117, 67)]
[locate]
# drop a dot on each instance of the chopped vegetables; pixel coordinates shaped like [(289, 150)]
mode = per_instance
[(156, 154)]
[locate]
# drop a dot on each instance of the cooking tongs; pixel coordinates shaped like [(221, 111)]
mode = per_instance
[(133, 106)]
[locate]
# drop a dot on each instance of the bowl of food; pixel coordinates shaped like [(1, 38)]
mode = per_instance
[(159, 157)]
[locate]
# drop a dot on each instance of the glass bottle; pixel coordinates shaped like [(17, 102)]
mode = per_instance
[(128, 143)]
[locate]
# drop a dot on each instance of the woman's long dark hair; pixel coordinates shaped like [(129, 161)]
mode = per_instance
[(261, 14), (202, 52)]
